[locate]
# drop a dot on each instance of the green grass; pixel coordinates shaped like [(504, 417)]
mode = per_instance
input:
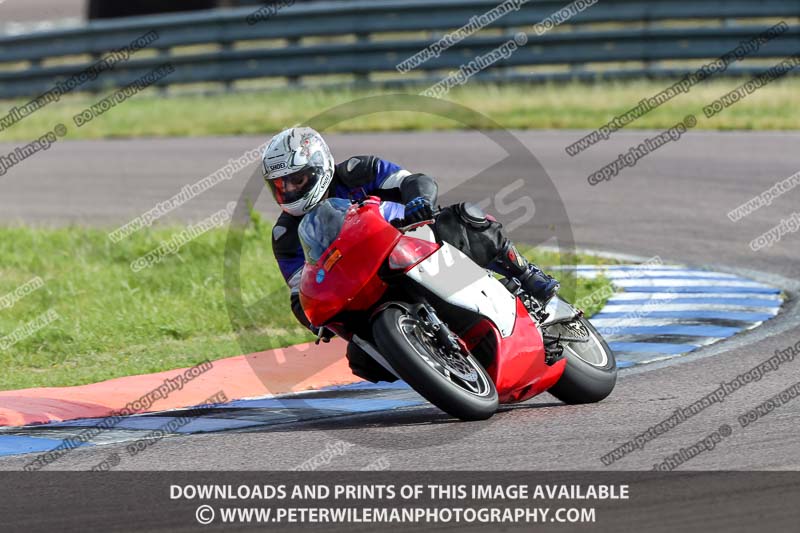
[(114, 322), (573, 105), (572, 288)]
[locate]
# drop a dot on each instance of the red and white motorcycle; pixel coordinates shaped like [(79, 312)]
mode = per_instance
[(435, 319)]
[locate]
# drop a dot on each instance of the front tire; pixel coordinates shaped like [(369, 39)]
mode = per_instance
[(402, 340), (591, 371)]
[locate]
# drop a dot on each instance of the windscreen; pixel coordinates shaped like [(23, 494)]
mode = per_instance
[(320, 227)]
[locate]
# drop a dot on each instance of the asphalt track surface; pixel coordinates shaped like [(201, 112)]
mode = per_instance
[(672, 204)]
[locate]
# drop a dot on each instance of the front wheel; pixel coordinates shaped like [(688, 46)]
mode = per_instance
[(454, 382), (591, 371)]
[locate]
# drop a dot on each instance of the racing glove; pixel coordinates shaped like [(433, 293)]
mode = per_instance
[(417, 210)]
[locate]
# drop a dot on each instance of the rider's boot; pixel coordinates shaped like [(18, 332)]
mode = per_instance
[(531, 279)]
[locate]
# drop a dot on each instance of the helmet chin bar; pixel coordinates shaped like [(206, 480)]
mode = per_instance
[(306, 204), (295, 208)]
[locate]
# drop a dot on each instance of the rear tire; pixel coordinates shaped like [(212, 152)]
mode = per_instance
[(412, 367), (582, 381)]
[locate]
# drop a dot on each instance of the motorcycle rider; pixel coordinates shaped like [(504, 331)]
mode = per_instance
[(300, 171)]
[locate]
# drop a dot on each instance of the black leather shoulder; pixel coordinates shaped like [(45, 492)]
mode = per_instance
[(357, 171)]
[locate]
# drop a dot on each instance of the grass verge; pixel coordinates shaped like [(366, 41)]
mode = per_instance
[(113, 322), (558, 106)]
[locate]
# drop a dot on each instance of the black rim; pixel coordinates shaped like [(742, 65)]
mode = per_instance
[(460, 370)]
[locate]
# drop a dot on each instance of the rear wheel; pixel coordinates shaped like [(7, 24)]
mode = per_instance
[(591, 371), (454, 382)]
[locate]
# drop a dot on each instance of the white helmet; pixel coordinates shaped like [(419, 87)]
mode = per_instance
[(298, 167)]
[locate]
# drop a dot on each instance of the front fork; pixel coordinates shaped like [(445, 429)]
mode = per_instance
[(425, 313)]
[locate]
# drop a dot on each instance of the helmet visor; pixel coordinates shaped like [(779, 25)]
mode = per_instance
[(292, 187)]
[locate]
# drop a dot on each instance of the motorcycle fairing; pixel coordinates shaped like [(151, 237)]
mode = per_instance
[(518, 370), (350, 283), (456, 279)]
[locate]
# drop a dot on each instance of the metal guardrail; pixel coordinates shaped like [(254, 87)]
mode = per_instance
[(385, 32)]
